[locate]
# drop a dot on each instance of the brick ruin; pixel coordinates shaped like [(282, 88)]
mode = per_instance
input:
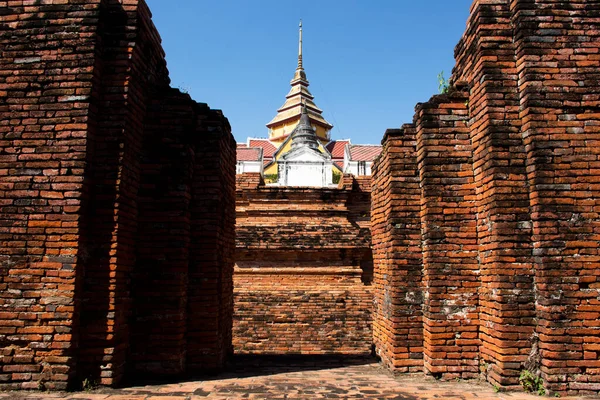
[(116, 202), (118, 199), (485, 209), (303, 269)]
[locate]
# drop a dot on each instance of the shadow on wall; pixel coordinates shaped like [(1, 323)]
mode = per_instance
[(100, 343)]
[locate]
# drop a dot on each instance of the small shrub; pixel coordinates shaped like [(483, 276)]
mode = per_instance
[(88, 385), (270, 178), (443, 83), (183, 88), (336, 177), (532, 383)]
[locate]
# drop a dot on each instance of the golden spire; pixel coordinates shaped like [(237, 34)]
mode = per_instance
[(299, 97), (300, 48)]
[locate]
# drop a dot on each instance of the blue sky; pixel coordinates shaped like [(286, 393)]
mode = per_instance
[(368, 62)]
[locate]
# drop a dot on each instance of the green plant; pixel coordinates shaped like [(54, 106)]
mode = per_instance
[(270, 178), (532, 383), (183, 88), (89, 384), (556, 394), (496, 388), (443, 83), (336, 177)]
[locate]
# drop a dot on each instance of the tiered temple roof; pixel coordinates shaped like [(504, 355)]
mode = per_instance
[(299, 96)]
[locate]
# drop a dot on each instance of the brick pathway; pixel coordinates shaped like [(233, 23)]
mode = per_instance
[(366, 381)]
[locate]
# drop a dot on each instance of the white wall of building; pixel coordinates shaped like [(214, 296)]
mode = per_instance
[(305, 167), (313, 174), (248, 166), (357, 168)]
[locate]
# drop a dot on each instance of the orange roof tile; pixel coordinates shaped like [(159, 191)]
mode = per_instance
[(361, 152), (268, 148), (248, 154), (336, 148)]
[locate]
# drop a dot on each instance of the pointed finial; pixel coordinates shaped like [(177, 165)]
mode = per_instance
[(300, 48), (304, 119)]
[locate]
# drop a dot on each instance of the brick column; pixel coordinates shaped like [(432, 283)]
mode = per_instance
[(396, 233), (46, 98), (486, 58), (160, 279), (449, 226), (557, 63), (210, 288)]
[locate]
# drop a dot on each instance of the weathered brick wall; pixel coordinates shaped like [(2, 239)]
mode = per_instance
[(499, 170), (110, 215), (396, 232), (303, 269), (46, 87), (182, 282), (117, 202), (559, 93), (449, 244), (507, 201)]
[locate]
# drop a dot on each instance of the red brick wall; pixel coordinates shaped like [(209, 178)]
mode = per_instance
[(449, 244), (181, 284), (558, 67), (110, 215), (396, 232), (508, 214), (303, 269), (46, 82), (504, 222), (117, 203)]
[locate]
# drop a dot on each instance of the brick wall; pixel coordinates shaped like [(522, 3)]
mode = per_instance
[(449, 245), (560, 129), (303, 269), (504, 227), (117, 203), (46, 87), (396, 232), (501, 174)]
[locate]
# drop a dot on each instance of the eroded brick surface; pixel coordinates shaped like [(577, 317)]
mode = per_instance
[(499, 176), (303, 269), (116, 202)]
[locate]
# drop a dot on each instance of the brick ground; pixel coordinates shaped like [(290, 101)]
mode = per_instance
[(297, 381)]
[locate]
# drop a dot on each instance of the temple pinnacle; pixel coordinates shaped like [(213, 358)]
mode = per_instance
[(300, 48), (298, 97)]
